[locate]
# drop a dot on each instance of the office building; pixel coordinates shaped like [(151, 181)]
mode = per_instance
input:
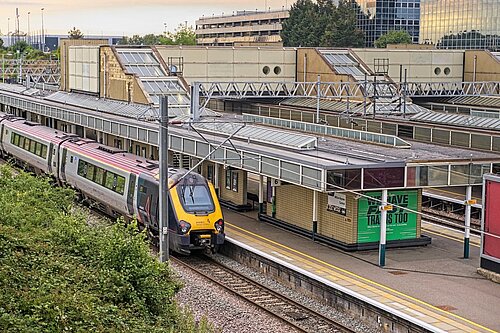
[(377, 17), (461, 24), (241, 28)]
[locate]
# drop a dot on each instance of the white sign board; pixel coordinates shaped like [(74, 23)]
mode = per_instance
[(337, 203)]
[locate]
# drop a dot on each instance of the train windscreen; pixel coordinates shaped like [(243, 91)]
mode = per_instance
[(196, 198)]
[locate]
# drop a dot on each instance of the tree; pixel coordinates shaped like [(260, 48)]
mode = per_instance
[(1, 43), (75, 34), (342, 28), (322, 24), (183, 35), (393, 37), (302, 27)]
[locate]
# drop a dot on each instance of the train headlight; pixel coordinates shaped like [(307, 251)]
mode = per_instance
[(184, 227), (219, 226)]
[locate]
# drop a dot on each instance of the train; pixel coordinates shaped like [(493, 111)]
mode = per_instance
[(119, 183)]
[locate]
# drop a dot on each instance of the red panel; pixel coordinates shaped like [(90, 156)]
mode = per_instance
[(492, 219)]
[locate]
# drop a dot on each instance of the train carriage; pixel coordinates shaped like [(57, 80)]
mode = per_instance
[(119, 183)]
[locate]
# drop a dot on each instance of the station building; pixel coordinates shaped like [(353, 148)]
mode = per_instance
[(320, 179)]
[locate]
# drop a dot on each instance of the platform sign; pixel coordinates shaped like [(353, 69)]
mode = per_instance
[(336, 203), (491, 219), (401, 224)]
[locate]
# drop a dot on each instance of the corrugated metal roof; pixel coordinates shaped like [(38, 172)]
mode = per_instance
[(457, 120), (261, 134)]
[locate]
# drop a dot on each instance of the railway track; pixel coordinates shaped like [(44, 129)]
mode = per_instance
[(454, 223), (296, 315)]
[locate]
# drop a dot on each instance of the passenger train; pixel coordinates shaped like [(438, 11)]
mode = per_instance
[(119, 183)]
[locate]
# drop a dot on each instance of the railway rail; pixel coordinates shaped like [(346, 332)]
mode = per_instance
[(451, 222), (296, 315)]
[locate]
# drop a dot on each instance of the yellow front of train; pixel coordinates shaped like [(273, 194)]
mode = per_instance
[(198, 216)]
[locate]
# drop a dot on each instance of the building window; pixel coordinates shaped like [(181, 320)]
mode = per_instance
[(437, 70), (210, 173), (232, 180), (277, 70), (447, 71), (235, 181), (266, 70)]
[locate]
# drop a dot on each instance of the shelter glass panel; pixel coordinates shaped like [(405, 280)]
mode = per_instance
[(311, 177), (432, 175), (422, 134), (440, 136), (460, 139), (480, 141), (290, 172), (383, 177), (270, 166), (343, 179)]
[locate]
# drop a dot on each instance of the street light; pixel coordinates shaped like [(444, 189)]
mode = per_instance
[(42, 44), (29, 39)]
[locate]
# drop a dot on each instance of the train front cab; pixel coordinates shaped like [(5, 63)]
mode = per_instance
[(195, 216)]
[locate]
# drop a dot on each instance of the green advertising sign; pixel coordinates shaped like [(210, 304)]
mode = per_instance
[(401, 224)]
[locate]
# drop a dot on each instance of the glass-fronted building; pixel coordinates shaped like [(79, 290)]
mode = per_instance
[(376, 17), (461, 24)]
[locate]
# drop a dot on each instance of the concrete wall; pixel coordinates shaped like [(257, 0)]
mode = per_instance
[(223, 64), (487, 66), (84, 68), (421, 65), (64, 51), (115, 83)]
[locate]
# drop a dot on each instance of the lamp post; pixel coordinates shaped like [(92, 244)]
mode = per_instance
[(42, 44), (29, 39)]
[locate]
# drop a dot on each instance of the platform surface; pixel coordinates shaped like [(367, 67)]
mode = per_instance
[(419, 282)]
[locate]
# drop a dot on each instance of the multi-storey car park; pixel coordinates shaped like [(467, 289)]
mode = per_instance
[(318, 178)]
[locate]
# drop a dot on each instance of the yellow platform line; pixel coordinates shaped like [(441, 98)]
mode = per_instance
[(454, 193), (451, 237), (351, 283), (361, 278)]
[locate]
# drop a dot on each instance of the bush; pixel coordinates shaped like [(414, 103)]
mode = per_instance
[(58, 274)]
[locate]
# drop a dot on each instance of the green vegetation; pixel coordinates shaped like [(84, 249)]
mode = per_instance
[(183, 35), (393, 37), (322, 24), (26, 51), (75, 34), (58, 274)]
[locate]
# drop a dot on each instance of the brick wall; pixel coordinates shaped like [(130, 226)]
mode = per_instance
[(237, 197)]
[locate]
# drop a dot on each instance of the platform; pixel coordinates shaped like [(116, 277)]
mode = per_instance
[(419, 282), (454, 194)]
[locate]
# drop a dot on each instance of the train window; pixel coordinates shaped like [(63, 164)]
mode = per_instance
[(27, 144), (196, 198), (99, 176), (32, 146), (120, 184), (44, 151), (90, 172), (38, 148), (109, 180), (82, 170), (17, 137), (21, 141)]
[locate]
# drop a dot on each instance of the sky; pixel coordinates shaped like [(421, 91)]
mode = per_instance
[(118, 17)]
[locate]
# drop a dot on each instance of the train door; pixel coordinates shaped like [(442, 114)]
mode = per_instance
[(147, 201), (130, 193), (63, 164), (51, 158)]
